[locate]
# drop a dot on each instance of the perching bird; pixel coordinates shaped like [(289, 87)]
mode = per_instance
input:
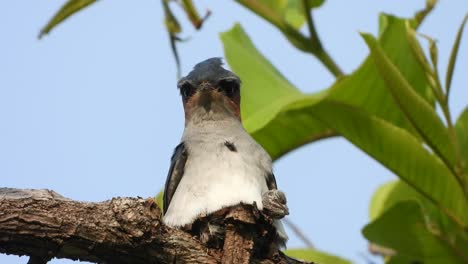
[(217, 164)]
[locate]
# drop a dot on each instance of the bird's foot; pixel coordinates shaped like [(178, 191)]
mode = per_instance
[(274, 204)]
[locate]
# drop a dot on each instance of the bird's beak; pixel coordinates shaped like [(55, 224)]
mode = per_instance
[(205, 86), (211, 100), (207, 96)]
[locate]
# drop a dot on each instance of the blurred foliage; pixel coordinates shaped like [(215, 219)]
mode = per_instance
[(69, 8), (316, 256), (159, 200), (386, 107)]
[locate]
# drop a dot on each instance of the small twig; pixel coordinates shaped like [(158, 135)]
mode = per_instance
[(298, 233)]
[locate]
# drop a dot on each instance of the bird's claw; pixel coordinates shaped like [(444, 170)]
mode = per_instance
[(274, 204)]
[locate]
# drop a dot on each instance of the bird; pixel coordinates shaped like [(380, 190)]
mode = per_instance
[(217, 163)]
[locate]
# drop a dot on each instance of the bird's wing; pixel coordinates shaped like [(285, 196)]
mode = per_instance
[(175, 174), (271, 181)]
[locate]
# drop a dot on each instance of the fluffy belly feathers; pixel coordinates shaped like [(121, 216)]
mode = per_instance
[(213, 179)]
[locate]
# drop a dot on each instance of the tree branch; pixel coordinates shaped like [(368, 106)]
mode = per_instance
[(43, 224)]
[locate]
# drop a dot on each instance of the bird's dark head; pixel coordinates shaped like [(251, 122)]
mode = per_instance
[(212, 87)]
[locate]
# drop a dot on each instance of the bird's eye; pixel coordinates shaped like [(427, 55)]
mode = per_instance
[(186, 90), (229, 87)]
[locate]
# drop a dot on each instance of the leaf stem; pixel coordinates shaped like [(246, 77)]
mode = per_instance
[(316, 44), (313, 36), (329, 63), (421, 14), (453, 137), (442, 99), (444, 105), (295, 37)]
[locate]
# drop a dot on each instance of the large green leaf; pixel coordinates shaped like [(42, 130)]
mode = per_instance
[(404, 229), (267, 96), (399, 151), (398, 259), (365, 87), (461, 128), (392, 193), (291, 129), (378, 203), (281, 118), (418, 111), (69, 8), (315, 256), (259, 106)]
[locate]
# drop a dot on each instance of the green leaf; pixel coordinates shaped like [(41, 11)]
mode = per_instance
[(192, 13), (453, 56), (159, 200), (265, 96), (421, 14), (404, 229), (420, 113), (366, 89), (258, 107), (291, 11), (294, 12), (461, 129), (392, 193), (378, 203), (241, 52), (172, 24), (291, 129), (399, 151), (397, 259), (433, 52), (71, 7), (418, 52), (315, 256), (316, 3), (383, 23)]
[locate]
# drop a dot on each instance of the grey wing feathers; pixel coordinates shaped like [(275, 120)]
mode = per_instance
[(175, 174), (271, 181)]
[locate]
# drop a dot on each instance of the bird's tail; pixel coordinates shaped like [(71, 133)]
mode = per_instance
[(281, 233)]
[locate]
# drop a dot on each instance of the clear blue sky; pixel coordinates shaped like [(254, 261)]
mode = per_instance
[(92, 110)]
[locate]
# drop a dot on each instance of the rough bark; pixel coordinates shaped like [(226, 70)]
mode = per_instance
[(43, 224)]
